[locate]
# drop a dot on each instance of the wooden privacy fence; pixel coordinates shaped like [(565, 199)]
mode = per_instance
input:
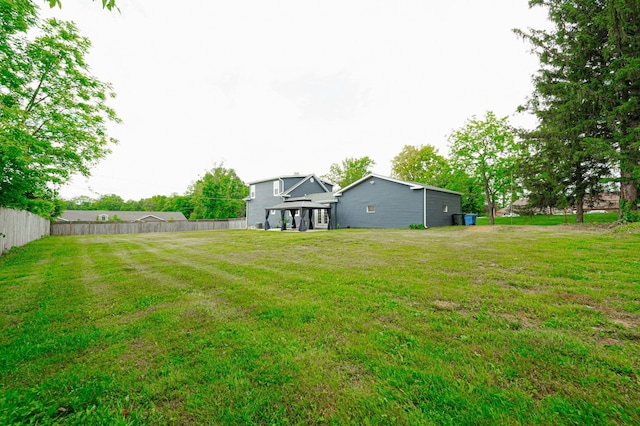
[(18, 227), (117, 227)]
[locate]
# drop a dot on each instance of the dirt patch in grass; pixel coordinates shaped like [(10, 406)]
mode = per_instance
[(446, 305), (482, 228)]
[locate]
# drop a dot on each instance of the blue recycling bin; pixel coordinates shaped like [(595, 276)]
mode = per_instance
[(470, 219)]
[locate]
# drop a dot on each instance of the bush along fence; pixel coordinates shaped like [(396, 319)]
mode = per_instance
[(18, 227), (118, 227)]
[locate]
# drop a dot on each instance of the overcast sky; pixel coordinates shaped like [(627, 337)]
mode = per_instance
[(283, 86)]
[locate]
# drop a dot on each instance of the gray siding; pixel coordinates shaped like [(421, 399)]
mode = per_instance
[(264, 199), (307, 188), (436, 201), (396, 205)]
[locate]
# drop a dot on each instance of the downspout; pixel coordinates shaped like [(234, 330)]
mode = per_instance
[(424, 206)]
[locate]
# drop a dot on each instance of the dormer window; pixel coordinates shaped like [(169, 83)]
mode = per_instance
[(103, 217)]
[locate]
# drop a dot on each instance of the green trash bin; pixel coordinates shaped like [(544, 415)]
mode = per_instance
[(458, 219)]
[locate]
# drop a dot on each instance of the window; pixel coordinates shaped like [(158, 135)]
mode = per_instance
[(445, 208), (371, 209), (324, 216), (276, 188), (252, 192), (273, 212), (103, 217)]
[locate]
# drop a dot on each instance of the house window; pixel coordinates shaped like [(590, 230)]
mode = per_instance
[(371, 209), (103, 217), (445, 208), (273, 212), (252, 192), (276, 188)]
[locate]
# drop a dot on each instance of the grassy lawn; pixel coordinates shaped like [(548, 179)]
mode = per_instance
[(460, 325), (549, 220)]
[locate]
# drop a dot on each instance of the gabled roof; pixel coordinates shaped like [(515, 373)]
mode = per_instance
[(302, 181), (92, 215), (276, 178), (411, 185)]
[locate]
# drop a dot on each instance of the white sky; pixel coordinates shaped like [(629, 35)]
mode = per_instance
[(282, 86)]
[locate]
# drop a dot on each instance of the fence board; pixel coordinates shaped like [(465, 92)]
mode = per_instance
[(18, 227), (118, 227)]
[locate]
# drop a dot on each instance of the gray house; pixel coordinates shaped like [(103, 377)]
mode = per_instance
[(372, 202), (266, 198)]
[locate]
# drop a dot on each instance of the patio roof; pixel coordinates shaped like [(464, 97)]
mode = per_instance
[(298, 205)]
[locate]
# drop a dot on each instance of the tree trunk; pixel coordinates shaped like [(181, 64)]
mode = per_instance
[(628, 193), (580, 209), (490, 201), (629, 184)]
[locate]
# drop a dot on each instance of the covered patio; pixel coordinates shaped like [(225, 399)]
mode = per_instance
[(306, 208)]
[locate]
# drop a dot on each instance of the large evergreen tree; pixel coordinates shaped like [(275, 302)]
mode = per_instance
[(586, 97)]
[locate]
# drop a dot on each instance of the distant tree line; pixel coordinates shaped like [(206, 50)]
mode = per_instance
[(219, 194)]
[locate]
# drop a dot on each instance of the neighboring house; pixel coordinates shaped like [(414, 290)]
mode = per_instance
[(372, 202), (268, 193), (105, 216)]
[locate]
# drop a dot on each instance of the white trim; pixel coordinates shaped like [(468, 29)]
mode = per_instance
[(151, 215), (424, 207), (371, 209)]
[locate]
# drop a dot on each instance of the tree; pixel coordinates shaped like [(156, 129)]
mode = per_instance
[(107, 4), (219, 194), (179, 203), (350, 170), (110, 202), (485, 148), (472, 194), (425, 165), (586, 94), (421, 164), (53, 113)]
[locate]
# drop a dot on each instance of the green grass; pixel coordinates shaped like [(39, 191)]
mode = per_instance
[(549, 220), (460, 325)]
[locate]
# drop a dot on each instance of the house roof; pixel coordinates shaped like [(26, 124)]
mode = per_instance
[(299, 176), (411, 185), (92, 215)]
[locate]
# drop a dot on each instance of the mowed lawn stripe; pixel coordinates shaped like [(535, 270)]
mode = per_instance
[(502, 325)]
